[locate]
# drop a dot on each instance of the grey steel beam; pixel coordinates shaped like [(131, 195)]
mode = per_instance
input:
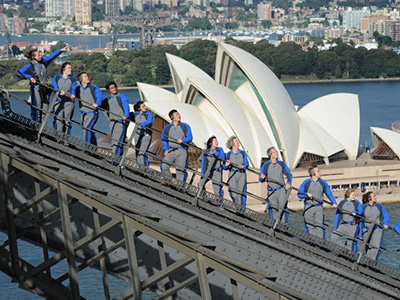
[(77, 246), (22, 233), (30, 203), (132, 258), (235, 289), (203, 279), (149, 282), (102, 262), (9, 208), (68, 241), (180, 286), (43, 235), (163, 262), (41, 285), (99, 256)]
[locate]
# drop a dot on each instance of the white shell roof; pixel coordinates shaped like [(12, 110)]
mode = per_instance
[(391, 138), (274, 94), (241, 120), (339, 116), (182, 69), (150, 92), (202, 125), (323, 127)]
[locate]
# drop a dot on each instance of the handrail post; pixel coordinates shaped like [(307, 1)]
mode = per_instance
[(47, 114), (204, 179), (366, 242), (124, 153)]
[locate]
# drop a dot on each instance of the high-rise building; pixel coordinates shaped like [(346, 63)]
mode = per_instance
[(123, 4), (137, 5), (352, 18), (112, 8), (83, 11), (59, 8), (54, 8), (264, 11)]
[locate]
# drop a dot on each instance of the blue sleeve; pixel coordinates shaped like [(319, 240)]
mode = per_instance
[(359, 211), (98, 95), (226, 157), (338, 217), (99, 100), (73, 86), (301, 193), (328, 192), (23, 71), (397, 227), (246, 161), (188, 138), (385, 220), (49, 58), (149, 120), (125, 105), (220, 153), (288, 174), (55, 82), (164, 139), (262, 171), (203, 164)]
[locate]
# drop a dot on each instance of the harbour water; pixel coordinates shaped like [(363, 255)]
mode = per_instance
[(379, 107)]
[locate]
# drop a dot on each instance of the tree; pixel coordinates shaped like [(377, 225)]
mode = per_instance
[(266, 23), (201, 53), (58, 45), (199, 24)]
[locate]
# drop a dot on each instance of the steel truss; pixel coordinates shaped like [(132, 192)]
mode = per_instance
[(248, 250), (38, 278)]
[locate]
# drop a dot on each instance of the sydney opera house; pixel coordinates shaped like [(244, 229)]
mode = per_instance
[(246, 99)]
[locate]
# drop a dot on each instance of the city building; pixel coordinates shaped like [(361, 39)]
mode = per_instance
[(264, 11), (112, 8), (83, 11), (247, 100), (138, 5), (59, 8), (54, 8), (352, 18)]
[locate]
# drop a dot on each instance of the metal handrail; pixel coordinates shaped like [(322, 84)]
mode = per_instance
[(200, 191)]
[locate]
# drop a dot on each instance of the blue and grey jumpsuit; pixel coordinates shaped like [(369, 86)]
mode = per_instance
[(39, 72), (237, 179), (118, 106), (178, 154), (313, 211), (216, 173), (347, 225), (277, 197), (143, 122), (374, 214), (64, 108), (89, 116)]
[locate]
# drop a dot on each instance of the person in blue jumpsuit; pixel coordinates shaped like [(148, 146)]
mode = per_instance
[(36, 72), (118, 107), (312, 191), (347, 222), (273, 172), (143, 120), (87, 94), (211, 153), (374, 215), (237, 163), (175, 138), (66, 84)]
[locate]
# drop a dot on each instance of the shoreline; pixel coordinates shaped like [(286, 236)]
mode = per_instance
[(317, 81), (300, 81)]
